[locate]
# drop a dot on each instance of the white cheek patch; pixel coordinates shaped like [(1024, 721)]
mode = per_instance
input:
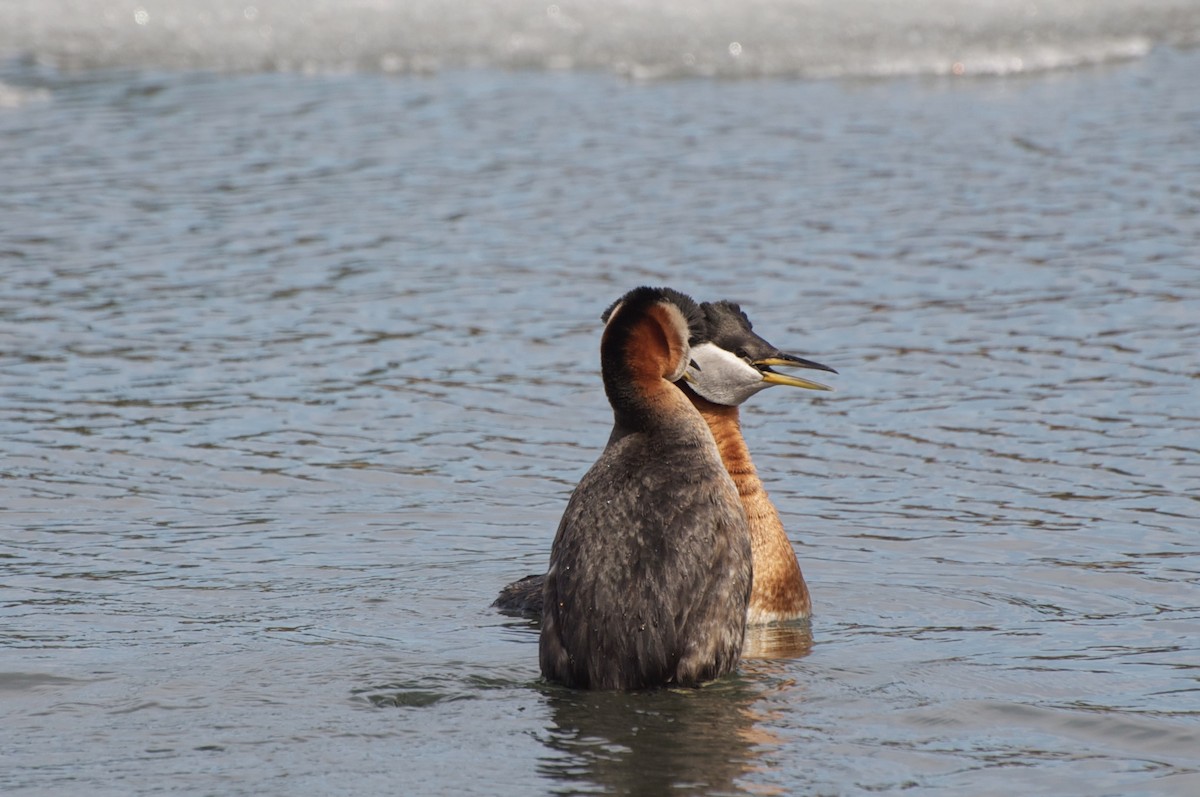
[(722, 377)]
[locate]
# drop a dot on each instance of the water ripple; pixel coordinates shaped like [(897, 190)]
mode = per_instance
[(296, 372)]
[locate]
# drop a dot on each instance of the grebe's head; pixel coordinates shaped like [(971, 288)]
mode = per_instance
[(648, 335), (678, 318), (731, 363)]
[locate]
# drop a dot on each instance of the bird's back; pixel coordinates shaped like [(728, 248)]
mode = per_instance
[(650, 572)]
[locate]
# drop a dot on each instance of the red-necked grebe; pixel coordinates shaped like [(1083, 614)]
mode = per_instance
[(650, 571), (734, 364)]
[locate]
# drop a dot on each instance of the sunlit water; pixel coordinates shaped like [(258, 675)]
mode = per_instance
[(644, 39), (296, 372)]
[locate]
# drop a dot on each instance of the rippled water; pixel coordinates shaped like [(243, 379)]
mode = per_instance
[(296, 372)]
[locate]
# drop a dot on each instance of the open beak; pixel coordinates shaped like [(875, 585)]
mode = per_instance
[(687, 374), (790, 361)]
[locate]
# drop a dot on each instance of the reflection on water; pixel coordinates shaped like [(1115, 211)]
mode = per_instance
[(778, 641), (714, 740), (679, 741), (647, 743), (296, 373)]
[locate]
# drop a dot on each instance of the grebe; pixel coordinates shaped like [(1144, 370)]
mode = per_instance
[(734, 364), (650, 571)]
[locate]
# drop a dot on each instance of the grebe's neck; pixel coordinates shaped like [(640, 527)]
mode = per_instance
[(779, 591)]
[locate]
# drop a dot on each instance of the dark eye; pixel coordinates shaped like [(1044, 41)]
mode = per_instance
[(743, 354)]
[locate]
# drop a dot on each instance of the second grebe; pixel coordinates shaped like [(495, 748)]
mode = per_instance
[(650, 571), (734, 364)]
